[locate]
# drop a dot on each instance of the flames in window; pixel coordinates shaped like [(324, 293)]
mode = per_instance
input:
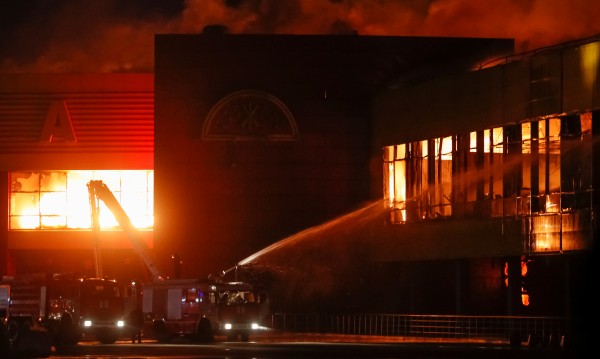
[(60, 199), (525, 299)]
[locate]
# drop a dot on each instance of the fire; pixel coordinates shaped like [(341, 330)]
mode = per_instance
[(57, 200), (525, 299)]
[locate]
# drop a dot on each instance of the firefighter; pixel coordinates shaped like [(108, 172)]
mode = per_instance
[(137, 321)]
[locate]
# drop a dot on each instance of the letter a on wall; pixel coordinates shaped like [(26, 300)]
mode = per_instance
[(58, 126)]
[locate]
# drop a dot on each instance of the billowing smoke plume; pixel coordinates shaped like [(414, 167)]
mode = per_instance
[(118, 35)]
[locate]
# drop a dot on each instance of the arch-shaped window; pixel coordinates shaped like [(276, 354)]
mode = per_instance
[(250, 115)]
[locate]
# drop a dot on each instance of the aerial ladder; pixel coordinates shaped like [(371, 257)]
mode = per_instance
[(99, 191), (183, 307)]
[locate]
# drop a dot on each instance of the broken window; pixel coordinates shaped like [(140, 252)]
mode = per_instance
[(60, 199), (535, 167)]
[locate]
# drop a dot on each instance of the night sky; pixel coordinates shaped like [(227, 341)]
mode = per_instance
[(118, 35)]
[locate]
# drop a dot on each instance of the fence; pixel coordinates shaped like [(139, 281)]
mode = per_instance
[(550, 330)]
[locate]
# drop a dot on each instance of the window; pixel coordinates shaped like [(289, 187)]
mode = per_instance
[(443, 176), (418, 179), (395, 182), (50, 200), (532, 168), (191, 295)]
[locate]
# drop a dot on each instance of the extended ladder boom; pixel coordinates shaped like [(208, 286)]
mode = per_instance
[(100, 191)]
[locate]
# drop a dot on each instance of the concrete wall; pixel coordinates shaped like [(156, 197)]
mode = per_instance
[(220, 199)]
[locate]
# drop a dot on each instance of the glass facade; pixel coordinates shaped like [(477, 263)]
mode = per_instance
[(538, 171)]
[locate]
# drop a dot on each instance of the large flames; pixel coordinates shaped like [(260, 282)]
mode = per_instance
[(60, 199)]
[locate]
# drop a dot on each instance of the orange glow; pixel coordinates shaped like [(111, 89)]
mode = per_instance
[(523, 268), (391, 187), (586, 122), (60, 199), (487, 145), (127, 45), (444, 147), (589, 58), (395, 186), (498, 140), (526, 137), (473, 141), (399, 181), (525, 299)]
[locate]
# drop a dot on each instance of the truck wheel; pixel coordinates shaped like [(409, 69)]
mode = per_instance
[(204, 332), (160, 332), (67, 331), (107, 338)]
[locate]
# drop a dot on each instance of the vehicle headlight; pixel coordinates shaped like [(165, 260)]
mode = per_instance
[(227, 326), (120, 323), (254, 326), (87, 323)]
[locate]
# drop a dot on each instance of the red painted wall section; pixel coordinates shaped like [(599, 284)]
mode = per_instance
[(71, 122), (99, 121)]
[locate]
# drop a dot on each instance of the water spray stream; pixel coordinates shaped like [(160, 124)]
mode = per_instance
[(336, 229)]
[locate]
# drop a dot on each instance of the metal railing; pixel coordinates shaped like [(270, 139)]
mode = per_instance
[(491, 328)]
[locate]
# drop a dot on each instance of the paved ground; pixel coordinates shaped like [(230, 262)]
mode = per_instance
[(275, 337)]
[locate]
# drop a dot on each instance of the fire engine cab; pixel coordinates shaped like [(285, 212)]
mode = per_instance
[(200, 310), (67, 306)]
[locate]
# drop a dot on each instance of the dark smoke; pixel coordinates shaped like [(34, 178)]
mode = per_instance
[(118, 35)]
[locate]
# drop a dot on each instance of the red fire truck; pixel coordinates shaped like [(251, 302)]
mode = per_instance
[(66, 306), (192, 308), (199, 309)]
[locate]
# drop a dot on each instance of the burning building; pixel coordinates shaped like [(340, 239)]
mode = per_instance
[(366, 173), (60, 131), (502, 177), (488, 196)]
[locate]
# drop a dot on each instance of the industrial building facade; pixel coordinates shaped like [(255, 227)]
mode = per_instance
[(59, 131), (504, 170), (426, 186)]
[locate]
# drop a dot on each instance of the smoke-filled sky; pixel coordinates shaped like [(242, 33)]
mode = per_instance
[(118, 35)]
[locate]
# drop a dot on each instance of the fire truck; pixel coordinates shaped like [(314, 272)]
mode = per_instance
[(65, 305), (200, 309), (192, 308)]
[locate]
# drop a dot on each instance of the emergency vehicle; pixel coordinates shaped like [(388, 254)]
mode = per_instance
[(199, 309), (66, 306), (191, 308)]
